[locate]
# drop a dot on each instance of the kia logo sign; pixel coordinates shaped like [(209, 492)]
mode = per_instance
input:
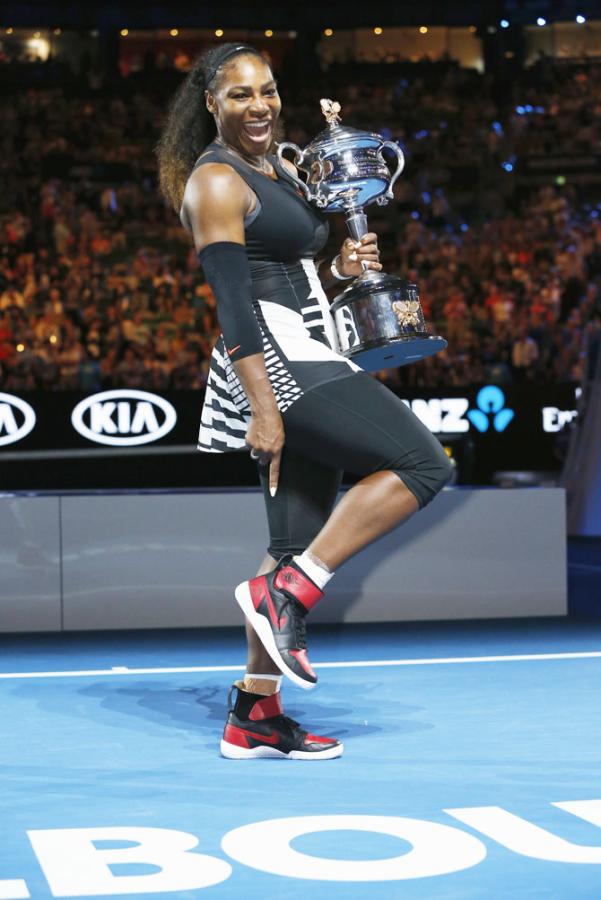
[(123, 418), (17, 419)]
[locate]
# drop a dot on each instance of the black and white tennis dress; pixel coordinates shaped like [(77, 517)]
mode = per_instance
[(283, 234), (336, 416)]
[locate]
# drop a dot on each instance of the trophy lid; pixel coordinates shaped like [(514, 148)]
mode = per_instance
[(330, 109), (336, 134)]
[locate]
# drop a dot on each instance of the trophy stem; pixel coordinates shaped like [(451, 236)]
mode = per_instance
[(356, 222)]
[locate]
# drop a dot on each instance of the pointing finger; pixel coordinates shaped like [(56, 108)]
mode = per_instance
[(274, 473)]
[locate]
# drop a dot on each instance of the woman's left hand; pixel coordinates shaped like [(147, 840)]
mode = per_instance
[(352, 254)]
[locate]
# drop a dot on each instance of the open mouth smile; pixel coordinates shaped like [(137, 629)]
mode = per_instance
[(258, 131)]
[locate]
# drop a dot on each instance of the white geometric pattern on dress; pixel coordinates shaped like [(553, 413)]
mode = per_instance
[(226, 412), (348, 324), (320, 304), (284, 386), (294, 340)]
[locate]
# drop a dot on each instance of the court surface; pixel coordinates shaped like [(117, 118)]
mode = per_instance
[(472, 767)]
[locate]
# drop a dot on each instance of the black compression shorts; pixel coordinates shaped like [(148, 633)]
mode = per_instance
[(354, 424)]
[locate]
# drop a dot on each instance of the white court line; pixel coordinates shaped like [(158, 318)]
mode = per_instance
[(356, 664)]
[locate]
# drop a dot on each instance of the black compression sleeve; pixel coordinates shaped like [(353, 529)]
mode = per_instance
[(227, 271)]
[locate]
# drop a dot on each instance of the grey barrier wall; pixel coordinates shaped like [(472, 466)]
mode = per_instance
[(160, 560), (30, 554)]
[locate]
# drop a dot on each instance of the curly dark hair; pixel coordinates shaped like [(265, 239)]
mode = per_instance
[(189, 126)]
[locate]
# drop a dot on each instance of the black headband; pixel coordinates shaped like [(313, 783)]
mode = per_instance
[(209, 74)]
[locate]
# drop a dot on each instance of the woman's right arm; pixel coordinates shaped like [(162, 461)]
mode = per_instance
[(215, 203)]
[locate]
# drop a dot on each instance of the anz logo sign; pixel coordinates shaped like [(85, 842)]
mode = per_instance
[(17, 419), (491, 405), (452, 415), (441, 416), (123, 418)]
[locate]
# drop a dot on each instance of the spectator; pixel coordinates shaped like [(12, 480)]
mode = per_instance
[(129, 373), (89, 375), (100, 284), (524, 354)]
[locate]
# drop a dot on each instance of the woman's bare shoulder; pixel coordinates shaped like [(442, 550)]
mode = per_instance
[(213, 182)]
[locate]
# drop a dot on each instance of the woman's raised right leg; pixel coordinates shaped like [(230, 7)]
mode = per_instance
[(372, 433), (359, 425)]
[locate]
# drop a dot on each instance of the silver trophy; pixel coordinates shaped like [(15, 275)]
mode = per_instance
[(379, 319)]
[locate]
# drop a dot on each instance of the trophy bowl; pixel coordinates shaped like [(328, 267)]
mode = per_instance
[(378, 317)]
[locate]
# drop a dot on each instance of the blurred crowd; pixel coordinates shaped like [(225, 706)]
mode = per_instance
[(100, 286)]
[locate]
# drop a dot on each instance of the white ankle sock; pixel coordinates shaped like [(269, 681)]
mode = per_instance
[(317, 571)]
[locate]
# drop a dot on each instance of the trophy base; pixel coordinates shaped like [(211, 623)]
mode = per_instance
[(380, 323), (391, 354)]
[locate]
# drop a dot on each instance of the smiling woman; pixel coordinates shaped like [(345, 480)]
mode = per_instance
[(246, 109), (278, 384), (189, 126), (241, 117)]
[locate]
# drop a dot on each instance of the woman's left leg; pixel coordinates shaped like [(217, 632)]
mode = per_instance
[(302, 505), (258, 661), (256, 725)]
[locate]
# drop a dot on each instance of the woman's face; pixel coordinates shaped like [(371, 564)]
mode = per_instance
[(246, 105)]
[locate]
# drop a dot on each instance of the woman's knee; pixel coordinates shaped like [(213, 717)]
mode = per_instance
[(442, 472), (427, 477)]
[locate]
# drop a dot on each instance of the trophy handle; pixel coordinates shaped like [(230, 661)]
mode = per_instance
[(298, 159), (400, 164)]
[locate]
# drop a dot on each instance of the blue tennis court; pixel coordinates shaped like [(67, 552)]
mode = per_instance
[(471, 768)]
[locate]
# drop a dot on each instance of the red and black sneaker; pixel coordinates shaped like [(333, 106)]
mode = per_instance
[(276, 605), (256, 728)]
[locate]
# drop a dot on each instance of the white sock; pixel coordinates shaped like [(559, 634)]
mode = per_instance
[(317, 571)]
